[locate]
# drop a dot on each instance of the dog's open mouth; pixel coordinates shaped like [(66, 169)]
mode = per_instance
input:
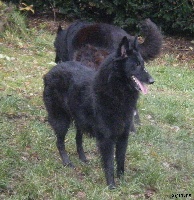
[(139, 85)]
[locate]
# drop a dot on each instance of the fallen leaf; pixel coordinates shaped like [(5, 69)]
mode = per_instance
[(154, 154), (175, 128), (166, 165), (6, 57), (136, 196), (149, 193), (81, 195), (27, 8)]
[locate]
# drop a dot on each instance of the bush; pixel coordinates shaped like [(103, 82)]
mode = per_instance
[(174, 16), (12, 21)]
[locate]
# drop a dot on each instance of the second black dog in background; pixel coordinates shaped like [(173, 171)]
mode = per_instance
[(91, 43), (100, 103)]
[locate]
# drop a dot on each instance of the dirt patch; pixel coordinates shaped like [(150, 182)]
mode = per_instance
[(183, 48), (47, 22)]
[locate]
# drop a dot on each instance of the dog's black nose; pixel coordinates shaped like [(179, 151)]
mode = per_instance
[(151, 80)]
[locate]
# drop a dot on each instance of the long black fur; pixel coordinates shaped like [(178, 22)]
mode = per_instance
[(76, 38), (91, 43), (98, 102)]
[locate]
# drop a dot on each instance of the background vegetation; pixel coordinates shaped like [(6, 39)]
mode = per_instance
[(159, 161), (174, 16)]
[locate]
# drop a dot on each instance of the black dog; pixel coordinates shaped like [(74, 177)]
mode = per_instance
[(99, 102), (87, 39), (91, 43)]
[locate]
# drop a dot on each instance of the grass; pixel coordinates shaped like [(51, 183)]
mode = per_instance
[(159, 160)]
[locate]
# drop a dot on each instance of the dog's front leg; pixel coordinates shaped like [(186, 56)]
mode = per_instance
[(121, 148), (106, 147)]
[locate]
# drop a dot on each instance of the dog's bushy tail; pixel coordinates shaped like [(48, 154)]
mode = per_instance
[(152, 44)]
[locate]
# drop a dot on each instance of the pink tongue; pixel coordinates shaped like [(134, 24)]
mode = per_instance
[(143, 87)]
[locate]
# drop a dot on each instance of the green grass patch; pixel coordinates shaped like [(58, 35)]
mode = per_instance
[(159, 160)]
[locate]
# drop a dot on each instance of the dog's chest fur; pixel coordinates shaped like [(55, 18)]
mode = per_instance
[(103, 104)]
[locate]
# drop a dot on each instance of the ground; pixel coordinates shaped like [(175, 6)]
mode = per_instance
[(182, 47)]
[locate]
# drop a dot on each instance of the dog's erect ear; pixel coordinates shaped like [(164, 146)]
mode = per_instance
[(59, 29), (123, 48)]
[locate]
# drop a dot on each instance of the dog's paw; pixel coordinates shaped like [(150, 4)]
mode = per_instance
[(69, 165), (84, 160), (112, 187)]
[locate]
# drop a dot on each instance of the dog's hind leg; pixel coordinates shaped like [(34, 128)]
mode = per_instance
[(121, 147), (61, 125), (79, 145), (106, 147)]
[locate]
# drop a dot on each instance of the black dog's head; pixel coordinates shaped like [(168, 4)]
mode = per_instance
[(133, 65)]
